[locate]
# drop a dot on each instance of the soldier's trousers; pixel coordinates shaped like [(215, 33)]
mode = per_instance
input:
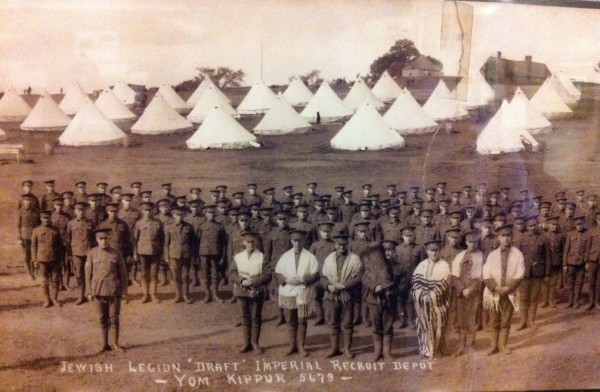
[(382, 318), (293, 319), (251, 311), (27, 256), (181, 270), (342, 316), (50, 272), (149, 266), (466, 312), (79, 267), (529, 293), (551, 285), (575, 275), (406, 307), (594, 279), (108, 309), (210, 268), (500, 319)]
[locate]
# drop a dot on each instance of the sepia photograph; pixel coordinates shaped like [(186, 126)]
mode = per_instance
[(319, 195)]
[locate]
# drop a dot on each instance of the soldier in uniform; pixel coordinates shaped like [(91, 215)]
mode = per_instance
[(504, 200), (195, 196), (253, 197), (347, 208), (451, 248), (180, 240), (379, 294), (212, 241), (580, 199), (338, 198), (103, 198), (148, 246), (47, 250), (366, 190), (340, 277), (556, 245), (426, 230), (195, 218), (575, 258), (166, 193), (502, 274), (288, 193), (106, 282), (312, 195), (408, 256), (296, 270), (276, 244), (115, 194), (302, 224), (47, 197), (392, 194), (80, 240), (129, 215), (136, 197), (467, 285), (537, 264), (430, 203), (414, 194), (27, 219), (441, 191), (469, 223), (391, 229), (321, 249), (26, 187), (264, 226), (590, 210), (592, 263), (250, 273), (238, 200), (81, 193), (467, 198), (95, 213), (68, 201), (60, 221), (269, 200), (318, 215), (414, 218), (165, 218), (119, 236)]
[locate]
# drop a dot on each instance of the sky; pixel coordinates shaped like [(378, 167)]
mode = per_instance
[(48, 44)]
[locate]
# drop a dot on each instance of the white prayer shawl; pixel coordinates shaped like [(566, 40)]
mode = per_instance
[(249, 267), (296, 297), (493, 270), (476, 264), (351, 268), (431, 297)]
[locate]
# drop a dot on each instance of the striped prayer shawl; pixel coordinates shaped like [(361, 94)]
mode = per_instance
[(431, 296)]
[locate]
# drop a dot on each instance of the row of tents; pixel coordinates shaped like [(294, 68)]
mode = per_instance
[(367, 128)]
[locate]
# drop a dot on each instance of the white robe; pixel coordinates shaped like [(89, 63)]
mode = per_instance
[(515, 269), (296, 297)]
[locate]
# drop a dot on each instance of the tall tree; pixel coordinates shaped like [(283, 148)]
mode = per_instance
[(401, 53), (221, 76), (312, 78)]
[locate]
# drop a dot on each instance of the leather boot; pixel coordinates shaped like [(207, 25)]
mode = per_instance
[(292, 337), (105, 346), (145, 291), (531, 317), (410, 314), (115, 333), (365, 315), (196, 278), (254, 336), (357, 313), (335, 347), (215, 292), (377, 346), (302, 340), (470, 341), (461, 344), (153, 291), (82, 299), (54, 297), (280, 317), (503, 341), (348, 344), (209, 293), (524, 309), (247, 346), (178, 296), (165, 281), (387, 346), (592, 295), (46, 290), (186, 292), (570, 300), (576, 296), (320, 314), (493, 343)]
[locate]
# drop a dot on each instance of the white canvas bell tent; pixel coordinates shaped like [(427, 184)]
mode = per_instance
[(297, 94), (359, 94), (112, 107), (282, 119), (569, 97), (501, 136), (197, 94), (259, 99), (329, 106), (173, 99), (386, 89), (547, 101), (46, 116), (406, 116), (366, 130), (124, 93), (221, 131), (441, 105), (73, 99), (524, 115), (209, 99), (90, 127), (160, 118), (479, 92), (568, 84), (13, 107)]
